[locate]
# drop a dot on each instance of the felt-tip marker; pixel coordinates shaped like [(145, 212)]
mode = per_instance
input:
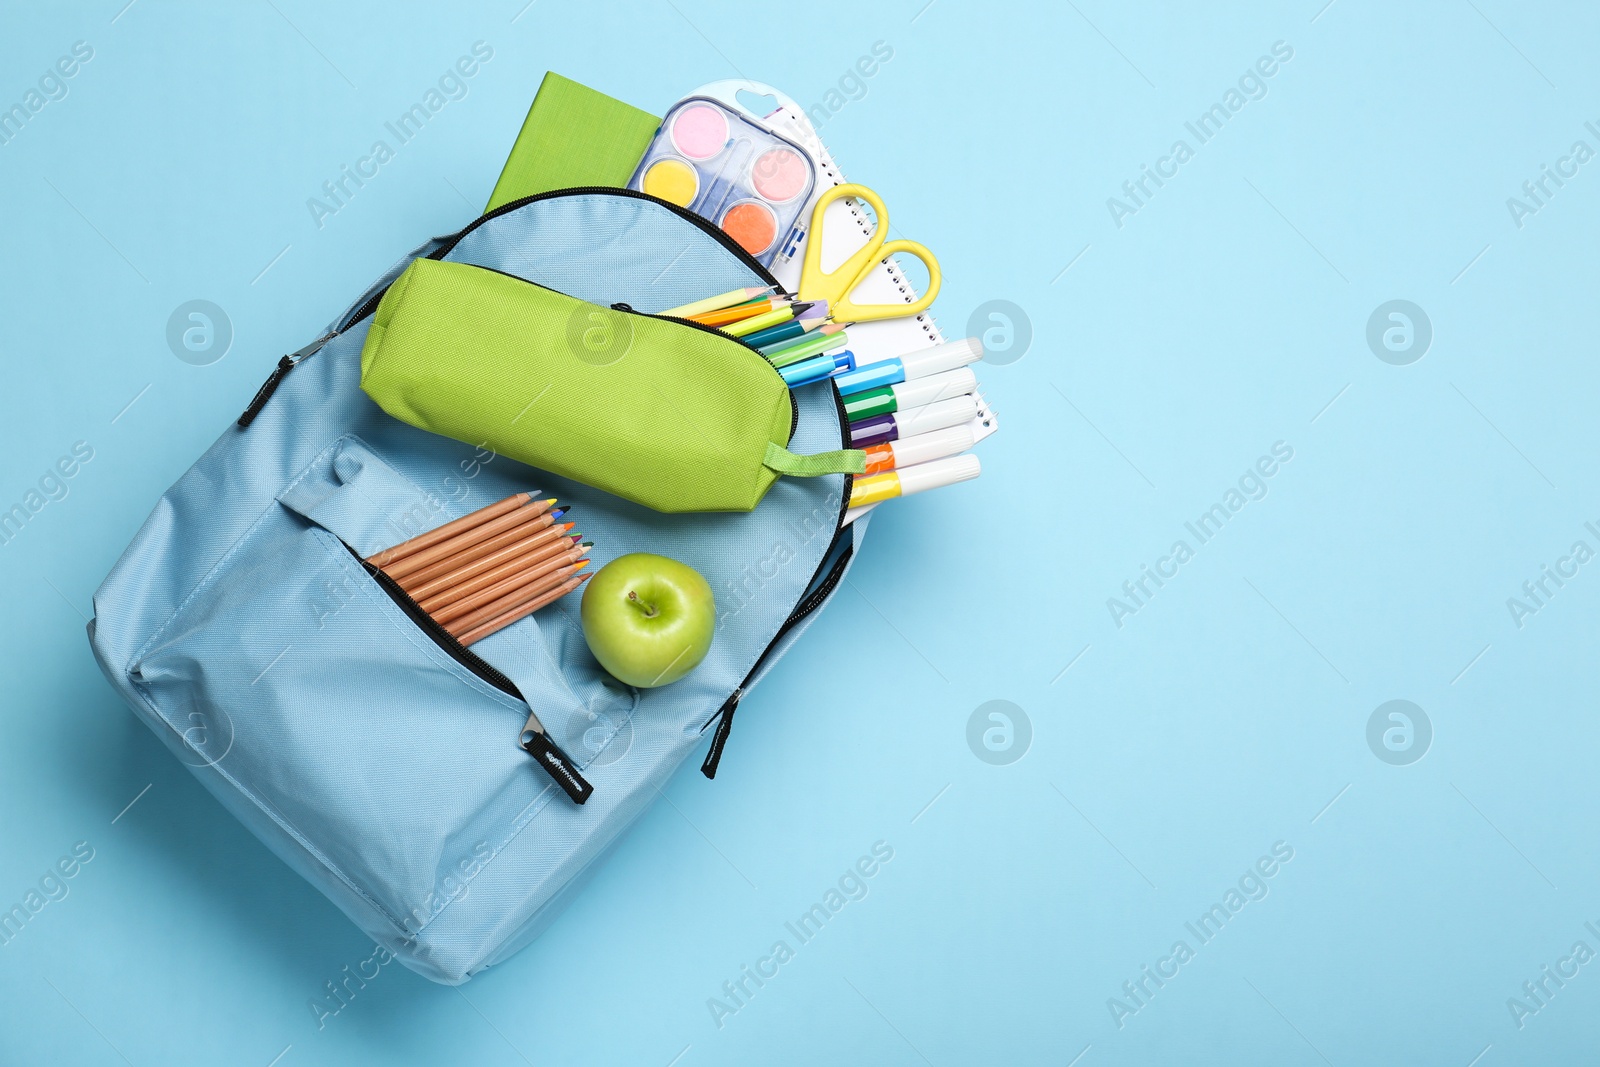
[(922, 448), (817, 368), (915, 479), (913, 394), (909, 423), (912, 365)]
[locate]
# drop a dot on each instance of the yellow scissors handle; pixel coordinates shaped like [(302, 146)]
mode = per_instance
[(835, 286), (847, 310)]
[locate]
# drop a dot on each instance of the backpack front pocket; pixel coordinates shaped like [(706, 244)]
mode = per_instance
[(292, 672)]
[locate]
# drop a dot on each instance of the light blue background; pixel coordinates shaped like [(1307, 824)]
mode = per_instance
[(1230, 713)]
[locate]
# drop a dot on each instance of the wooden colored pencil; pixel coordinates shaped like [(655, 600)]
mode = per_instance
[(813, 319), (762, 321), (740, 311), (448, 530), (449, 588), (522, 574), (802, 347), (540, 540), (714, 303), (513, 599), (419, 579), (476, 535), (494, 625)]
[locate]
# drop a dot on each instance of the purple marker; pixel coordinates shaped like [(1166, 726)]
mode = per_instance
[(926, 419)]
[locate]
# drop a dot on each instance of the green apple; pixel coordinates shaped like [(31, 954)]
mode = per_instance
[(648, 619)]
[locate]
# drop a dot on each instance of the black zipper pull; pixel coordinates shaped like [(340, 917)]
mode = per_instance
[(719, 740), (620, 306), (555, 762), (275, 379)]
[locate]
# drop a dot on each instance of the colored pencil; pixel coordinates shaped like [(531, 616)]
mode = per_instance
[(745, 327), (422, 577), (480, 573), (564, 562), (775, 337), (715, 303), (494, 625), (513, 560), (803, 323), (740, 312), (450, 546), (808, 346), (527, 540), (448, 530), (511, 599)]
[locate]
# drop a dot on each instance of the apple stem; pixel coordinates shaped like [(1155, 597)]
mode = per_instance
[(650, 611)]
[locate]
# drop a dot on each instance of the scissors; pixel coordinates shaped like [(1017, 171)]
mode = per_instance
[(836, 286)]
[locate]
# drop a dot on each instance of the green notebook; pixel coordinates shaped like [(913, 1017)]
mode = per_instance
[(573, 136)]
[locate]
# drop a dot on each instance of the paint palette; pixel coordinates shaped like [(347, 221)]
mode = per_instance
[(728, 168)]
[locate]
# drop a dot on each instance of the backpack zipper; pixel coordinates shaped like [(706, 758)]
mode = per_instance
[(723, 716), (270, 386), (710, 228), (534, 740), (288, 363)]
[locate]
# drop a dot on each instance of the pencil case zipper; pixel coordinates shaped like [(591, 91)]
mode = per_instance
[(534, 740), (794, 405), (368, 306)]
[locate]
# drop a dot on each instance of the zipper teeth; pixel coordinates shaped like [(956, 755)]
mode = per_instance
[(710, 228), (821, 593), (794, 405), (705, 225), (442, 637), (810, 603)]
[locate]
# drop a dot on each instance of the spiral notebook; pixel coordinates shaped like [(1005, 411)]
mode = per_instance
[(847, 229)]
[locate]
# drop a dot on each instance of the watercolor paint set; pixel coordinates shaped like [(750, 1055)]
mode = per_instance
[(750, 180)]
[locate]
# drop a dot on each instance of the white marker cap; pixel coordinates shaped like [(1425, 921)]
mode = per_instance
[(935, 416), (938, 473), (945, 357), (926, 447), (935, 387)]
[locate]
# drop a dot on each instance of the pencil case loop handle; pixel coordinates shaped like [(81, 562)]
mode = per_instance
[(842, 461)]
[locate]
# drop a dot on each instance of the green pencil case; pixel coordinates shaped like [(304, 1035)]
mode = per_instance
[(663, 412)]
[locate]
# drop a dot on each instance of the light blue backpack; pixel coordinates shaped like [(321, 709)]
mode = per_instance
[(384, 766)]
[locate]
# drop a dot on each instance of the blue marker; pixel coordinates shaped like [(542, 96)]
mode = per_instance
[(817, 368), (911, 365)]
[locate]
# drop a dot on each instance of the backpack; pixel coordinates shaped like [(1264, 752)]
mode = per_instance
[(386, 768)]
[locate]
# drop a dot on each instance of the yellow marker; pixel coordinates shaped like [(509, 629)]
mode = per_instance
[(875, 488)]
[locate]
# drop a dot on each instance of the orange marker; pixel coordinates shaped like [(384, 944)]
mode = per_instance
[(919, 448)]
